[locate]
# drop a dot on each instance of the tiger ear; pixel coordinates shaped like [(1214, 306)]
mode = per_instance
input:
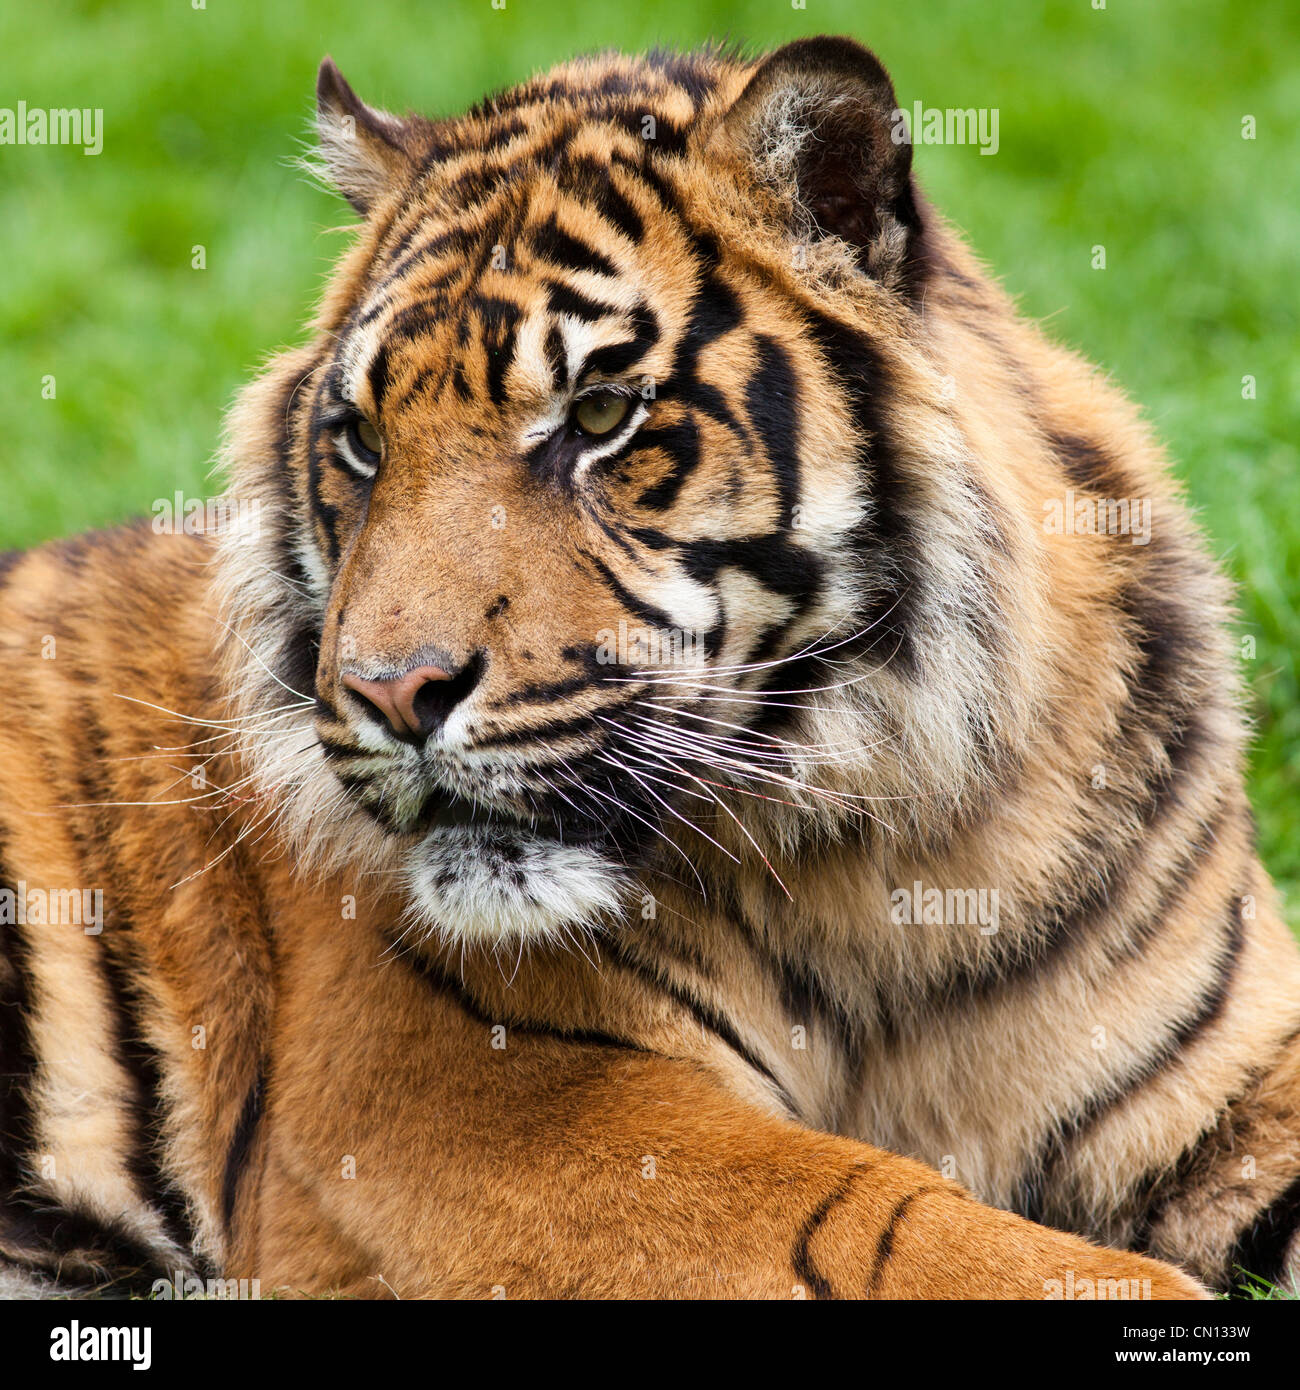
[(819, 122), (365, 152)]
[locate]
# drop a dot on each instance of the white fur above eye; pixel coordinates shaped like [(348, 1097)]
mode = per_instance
[(500, 885)]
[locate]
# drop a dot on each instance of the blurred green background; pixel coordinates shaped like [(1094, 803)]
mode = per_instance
[(1120, 127)]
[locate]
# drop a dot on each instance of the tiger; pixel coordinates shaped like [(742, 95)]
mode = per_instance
[(650, 788)]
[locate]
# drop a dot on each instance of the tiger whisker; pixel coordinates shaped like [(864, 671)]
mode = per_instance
[(743, 829), (295, 584), (703, 738), (773, 739), (811, 652), (226, 724), (736, 768), (239, 638), (661, 873), (614, 801), (817, 755), (682, 678), (604, 757)]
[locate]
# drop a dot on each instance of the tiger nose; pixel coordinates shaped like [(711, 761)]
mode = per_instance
[(413, 704)]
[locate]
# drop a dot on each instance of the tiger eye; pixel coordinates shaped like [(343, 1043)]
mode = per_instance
[(369, 436), (601, 413)]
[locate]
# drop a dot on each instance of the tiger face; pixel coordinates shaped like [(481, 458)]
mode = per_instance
[(579, 479)]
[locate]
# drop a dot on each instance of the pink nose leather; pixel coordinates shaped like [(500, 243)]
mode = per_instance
[(395, 699)]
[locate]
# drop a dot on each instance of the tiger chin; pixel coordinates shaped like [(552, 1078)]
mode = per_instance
[(636, 586), (507, 885)]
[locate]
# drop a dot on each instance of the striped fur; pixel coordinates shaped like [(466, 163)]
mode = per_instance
[(600, 990)]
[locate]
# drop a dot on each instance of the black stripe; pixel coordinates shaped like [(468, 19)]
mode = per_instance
[(658, 979), (644, 172), (715, 311), (143, 1064), (502, 133), (647, 612), (805, 998), (325, 514), (695, 73), (119, 968), (617, 358), (772, 401), (500, 323), (8, 559), (456, 242), (1088, 466), (290, 406), (774, 560), (34, 1230), (1034, 1185), (618, 536), (241, 1145), (378, 377), (557, 246), (1261, 1248), (544, 734), (299, 659), (444, 982), (476, 185), (564, 300), (669, 136), (556, 357), (417, 319), (17, 1052), (596, 189), (681, 442), (885, 1245), (1227, 1133), (801, 1254), (540, 692), (75, 1245), (888, 534)]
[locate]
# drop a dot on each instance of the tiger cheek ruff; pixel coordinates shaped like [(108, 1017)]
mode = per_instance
[(688, 677)]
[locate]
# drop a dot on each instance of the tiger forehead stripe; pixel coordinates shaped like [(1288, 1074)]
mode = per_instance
[(425, 314), (586, 336), (552, 243), (410, 245), (589, 165)]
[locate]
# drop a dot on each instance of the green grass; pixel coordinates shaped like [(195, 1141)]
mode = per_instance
[(1250, 1288), (1120, 127)]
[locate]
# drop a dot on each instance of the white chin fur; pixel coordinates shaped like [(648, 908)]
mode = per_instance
[(497, 885)]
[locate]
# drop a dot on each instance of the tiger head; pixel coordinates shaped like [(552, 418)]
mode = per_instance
[(588, 520)]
